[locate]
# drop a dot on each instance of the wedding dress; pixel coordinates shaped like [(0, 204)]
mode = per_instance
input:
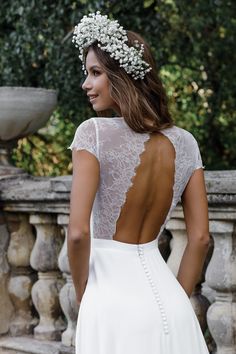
[(133, 303)]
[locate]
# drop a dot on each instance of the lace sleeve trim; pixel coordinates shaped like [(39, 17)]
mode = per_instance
[(85, 138), (198, 159)]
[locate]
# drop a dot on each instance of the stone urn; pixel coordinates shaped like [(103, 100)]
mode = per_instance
[(23, 110)]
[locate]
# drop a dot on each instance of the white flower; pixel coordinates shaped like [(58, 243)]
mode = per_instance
[(113, 39)]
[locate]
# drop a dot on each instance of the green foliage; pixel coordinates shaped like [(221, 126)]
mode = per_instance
[(44, 153), (193, 42)]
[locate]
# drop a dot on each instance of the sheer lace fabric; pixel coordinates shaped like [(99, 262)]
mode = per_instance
[(121, 153)]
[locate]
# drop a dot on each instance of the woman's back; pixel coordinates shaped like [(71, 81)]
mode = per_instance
[(142, 177)]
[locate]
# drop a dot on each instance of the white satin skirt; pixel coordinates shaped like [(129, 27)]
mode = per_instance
[(133, 304)]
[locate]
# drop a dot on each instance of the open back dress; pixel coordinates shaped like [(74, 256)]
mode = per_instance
[(133, 303)]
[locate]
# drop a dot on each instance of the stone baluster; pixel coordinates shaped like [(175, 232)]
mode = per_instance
[(6, 308), (67, 293), (22, 275), (221, 277), (178, 243), (45, 292)]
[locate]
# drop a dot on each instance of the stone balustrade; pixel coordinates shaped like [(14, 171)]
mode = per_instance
[(38, 309)]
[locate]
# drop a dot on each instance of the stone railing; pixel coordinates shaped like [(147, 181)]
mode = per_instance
[(38, 311)]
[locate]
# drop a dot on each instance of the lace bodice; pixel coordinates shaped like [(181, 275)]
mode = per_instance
[(118, 148)]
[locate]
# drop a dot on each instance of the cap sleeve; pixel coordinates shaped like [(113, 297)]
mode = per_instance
[(197, 156), (85, 138)]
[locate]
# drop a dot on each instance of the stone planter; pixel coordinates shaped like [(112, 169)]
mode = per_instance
[(23, 111)]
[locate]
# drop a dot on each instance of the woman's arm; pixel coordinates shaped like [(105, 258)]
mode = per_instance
[(85, 182), (195, 206)]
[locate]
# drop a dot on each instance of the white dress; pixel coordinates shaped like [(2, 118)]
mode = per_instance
[(133, 303)]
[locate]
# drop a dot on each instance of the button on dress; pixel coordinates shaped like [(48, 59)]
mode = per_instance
[(133, 303)]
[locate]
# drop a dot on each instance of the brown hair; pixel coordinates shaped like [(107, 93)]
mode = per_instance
[(143, 103)]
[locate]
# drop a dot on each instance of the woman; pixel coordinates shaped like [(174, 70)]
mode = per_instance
[(130, 171)]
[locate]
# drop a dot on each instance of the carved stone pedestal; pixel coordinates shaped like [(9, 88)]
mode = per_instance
[(45, 292), (22, 275), (67, 293), (45, 298), (6, 308), (221, 276)]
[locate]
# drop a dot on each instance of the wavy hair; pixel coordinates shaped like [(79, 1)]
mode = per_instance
[(143, 103)]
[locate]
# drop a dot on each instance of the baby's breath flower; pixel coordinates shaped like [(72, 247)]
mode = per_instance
[(113, 39)]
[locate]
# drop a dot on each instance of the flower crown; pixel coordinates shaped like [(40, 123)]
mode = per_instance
[(113, 39)]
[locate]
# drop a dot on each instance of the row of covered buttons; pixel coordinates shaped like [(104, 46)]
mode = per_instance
[(154, 289)]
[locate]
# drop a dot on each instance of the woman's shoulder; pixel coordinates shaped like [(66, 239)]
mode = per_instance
[(185, 144), (89, 125), (182, 139), (93, 126), (107, 119), (87, 122), (102, 120), (180, 133)]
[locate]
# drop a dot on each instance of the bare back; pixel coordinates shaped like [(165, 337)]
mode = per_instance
[(142, 177), (149, 198)]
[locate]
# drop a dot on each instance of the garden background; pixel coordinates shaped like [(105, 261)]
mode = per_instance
[(193, 42)]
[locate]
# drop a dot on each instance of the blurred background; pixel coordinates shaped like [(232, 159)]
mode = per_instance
[(193, 42)]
